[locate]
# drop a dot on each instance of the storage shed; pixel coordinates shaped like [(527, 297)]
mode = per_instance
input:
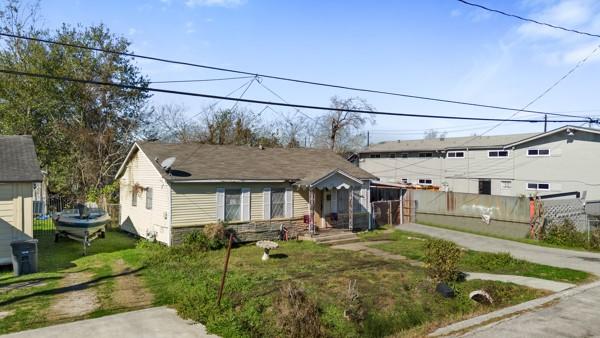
[(19, 170)]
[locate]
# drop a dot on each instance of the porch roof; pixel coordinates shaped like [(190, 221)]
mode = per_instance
[(335, 179)]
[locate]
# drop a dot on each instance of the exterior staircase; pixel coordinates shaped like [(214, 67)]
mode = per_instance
[(331, 237)]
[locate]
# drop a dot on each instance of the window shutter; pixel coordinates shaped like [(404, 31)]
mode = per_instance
[(289, 202), (334, 200), (245, 204), (220, 204), (267, 203)]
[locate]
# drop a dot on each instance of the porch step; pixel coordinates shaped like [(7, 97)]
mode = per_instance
[(332, 238)]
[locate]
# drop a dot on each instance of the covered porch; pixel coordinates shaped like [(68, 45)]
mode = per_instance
[(337, 201)]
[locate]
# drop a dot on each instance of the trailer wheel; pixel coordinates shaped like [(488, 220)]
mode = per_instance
[(102, 234)]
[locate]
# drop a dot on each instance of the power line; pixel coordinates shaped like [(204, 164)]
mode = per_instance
[(203, 80), (261, 102), (528, 19), (281, 78)]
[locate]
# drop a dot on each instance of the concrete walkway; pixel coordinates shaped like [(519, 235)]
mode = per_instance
[(155, 322), (578, 260)]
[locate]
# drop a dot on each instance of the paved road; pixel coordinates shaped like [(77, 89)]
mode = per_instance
[(578, 260), (576, 314), (158, 322)]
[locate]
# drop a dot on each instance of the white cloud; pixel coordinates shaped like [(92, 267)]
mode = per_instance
[(578, 54), (190, 27), (455, 12), (214, 3)]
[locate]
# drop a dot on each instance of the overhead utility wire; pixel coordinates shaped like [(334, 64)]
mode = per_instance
[(203, 80), (528, 19), (261, 102), (16, 36)]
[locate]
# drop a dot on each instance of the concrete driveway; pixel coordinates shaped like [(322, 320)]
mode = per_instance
[(578, 260), (158, 322)]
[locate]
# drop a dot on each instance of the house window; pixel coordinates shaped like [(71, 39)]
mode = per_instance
[(538, 186), (149, 198), (134, 198), (538, 152), (233, 205), (497, 153), (278, 203), (427, 154), (375, 156), (425, 181), (455, 154), (403, 155)]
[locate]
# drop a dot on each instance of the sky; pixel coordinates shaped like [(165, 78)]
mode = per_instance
[(437, 48)]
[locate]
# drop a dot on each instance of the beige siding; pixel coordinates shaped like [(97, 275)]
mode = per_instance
[(195, 203), (300, 203), (16, 216), (138, 219)]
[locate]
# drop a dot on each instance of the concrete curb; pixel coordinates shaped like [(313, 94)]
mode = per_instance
[(512, 310)]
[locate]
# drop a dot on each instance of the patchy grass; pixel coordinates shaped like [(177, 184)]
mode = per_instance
[(525, 240), (31, 305), (398, 297), (411, 245)]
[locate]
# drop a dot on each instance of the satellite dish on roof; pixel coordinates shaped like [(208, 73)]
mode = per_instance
[(167, 163)]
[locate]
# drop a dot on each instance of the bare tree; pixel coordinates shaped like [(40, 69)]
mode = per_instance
[(174, 126), (433, 134), (342, 125)]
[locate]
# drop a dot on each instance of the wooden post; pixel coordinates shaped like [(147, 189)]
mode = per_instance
[(225, 270), (351, 209), (401, 207), (311, 205)]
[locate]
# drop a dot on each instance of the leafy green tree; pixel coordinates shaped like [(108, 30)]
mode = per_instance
[(82, 131)]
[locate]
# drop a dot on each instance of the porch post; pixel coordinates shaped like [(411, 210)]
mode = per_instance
[(351, 208), (311, 206)]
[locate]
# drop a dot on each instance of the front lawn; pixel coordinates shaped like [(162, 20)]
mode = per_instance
[(411, 245), (397, 297), (68, 285)]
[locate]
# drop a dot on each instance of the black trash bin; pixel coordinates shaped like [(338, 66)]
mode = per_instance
[(24, 256)]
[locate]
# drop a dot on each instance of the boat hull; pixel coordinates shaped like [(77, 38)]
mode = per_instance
[(81, 227)]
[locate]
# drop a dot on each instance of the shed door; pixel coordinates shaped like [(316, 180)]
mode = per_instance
[(7, 221)]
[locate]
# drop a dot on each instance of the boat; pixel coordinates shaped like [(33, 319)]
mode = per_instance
[(81, 224)]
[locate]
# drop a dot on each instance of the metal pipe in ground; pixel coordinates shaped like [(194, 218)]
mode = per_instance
[(225, 269)]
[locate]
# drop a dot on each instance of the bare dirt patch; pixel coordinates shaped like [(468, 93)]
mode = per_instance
[(76, 298), (129, 291)]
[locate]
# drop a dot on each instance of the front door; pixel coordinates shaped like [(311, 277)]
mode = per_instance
[(485, 187)]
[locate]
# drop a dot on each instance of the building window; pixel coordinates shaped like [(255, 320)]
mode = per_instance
[(134, 194), (233, 205), (404, 180), (498, 153), (403, 155), (538, 152), (392, 155), (455, 154), (538, 186), (427, 154), (505, 184), (375, 156), (425, 181), (278, 203), (149, 198)]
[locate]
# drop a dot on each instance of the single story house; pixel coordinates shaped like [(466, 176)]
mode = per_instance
[(308, 189), (562, 160), (19, 171)]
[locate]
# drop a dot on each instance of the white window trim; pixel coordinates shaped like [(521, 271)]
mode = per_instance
[(537, 186), (425, 179), (456, 157), (538, 154), (499, 150)]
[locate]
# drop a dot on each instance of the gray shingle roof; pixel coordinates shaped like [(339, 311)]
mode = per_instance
[(211, 162), (449, 143), (18, 161)]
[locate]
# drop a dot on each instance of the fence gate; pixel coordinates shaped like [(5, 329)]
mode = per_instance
[(394, 212)]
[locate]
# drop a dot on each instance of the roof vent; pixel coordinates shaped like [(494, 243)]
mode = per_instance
[(167, 163)]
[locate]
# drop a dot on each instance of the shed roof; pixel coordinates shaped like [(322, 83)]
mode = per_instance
[(18, 160), (202, 162)]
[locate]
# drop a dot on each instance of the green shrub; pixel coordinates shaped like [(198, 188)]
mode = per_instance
[(215, 235), (297, 314), (441, 259), (565, 234), (594, 239)]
